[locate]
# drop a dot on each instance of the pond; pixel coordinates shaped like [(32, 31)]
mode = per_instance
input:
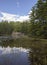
[(14, 56), (23, 52)]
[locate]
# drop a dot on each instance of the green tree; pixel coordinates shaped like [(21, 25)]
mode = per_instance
[(38, 19)]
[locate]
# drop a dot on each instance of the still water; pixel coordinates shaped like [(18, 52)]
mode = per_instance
[(23, 52), (14, 56)]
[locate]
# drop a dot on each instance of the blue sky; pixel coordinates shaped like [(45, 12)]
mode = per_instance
[(21, 7), (17, 7)]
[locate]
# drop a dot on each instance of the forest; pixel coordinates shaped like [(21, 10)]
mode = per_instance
[(36, 27)]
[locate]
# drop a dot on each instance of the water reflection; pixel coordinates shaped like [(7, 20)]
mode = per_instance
[(14, 56), (18, 54)]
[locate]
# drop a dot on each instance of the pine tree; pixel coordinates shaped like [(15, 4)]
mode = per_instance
[(38, 19)]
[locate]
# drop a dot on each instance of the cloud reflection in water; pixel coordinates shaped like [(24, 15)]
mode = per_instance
[(13, 56)]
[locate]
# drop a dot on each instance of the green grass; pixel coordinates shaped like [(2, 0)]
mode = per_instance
[(25, 42)]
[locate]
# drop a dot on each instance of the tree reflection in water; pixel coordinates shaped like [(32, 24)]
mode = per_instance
[(38, 50), (38, 56)]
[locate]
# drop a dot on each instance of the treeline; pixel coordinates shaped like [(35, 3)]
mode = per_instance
[(6, 28), (35, 27)]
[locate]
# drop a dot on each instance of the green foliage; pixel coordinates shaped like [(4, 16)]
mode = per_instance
[(25, 27), (5, 28), (36, 27), (38, 19)]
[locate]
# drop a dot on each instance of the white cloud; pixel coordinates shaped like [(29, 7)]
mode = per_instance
[(23, 18), (30, 12), (12, 17), (0, 18), (8, 17)]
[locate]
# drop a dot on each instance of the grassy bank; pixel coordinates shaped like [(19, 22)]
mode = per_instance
[(25, 42)]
